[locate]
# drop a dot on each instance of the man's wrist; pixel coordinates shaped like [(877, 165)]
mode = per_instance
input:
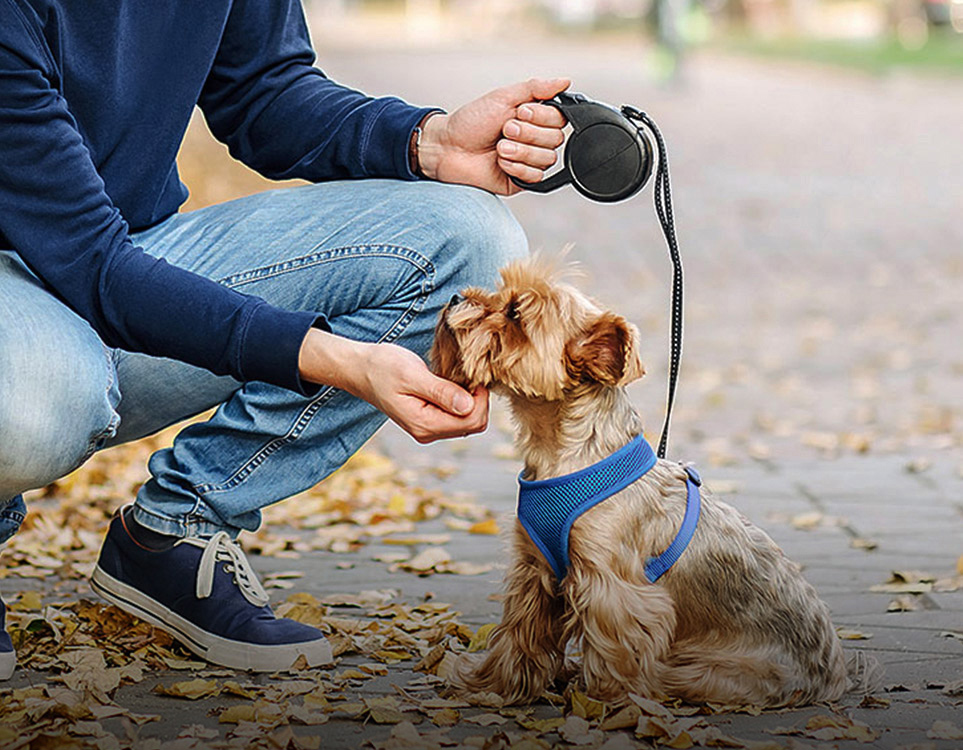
[(425, 148), (329, 359)]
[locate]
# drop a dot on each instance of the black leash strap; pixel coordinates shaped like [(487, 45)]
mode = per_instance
[(663, 207)]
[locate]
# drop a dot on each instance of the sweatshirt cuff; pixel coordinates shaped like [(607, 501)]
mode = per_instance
[(271, 347), (403, 128)]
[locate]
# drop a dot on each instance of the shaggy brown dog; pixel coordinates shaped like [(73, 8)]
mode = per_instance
[(732, 622)]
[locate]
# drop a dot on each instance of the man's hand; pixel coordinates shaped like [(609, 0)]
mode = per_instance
[(396, 382), (502, 134)]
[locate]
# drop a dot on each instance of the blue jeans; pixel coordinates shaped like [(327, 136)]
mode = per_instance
[(378, 257)]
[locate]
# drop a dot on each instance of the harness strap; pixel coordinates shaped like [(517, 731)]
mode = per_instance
[(547, 508), (655, 567)]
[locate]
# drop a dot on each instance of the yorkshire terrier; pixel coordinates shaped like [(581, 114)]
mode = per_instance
[(731, 622)]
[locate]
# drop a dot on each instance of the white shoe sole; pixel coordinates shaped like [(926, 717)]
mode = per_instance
[(8, 663), (214, 648)]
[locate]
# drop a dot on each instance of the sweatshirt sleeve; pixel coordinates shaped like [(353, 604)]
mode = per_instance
[(281, 116), (55, 213)]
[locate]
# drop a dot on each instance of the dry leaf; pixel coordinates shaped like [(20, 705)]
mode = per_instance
[(904, 604), (190, 689), (489, 526), (486, 720), (577, 731), (625, 718), (542, 726), (446, 717), (479, 640), (425, 561), (945, 730), (850, 634), (384, 710)]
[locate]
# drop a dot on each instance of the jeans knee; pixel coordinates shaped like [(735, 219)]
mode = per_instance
[(53, 415), (480, 234)]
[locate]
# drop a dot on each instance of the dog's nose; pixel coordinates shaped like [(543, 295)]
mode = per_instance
[(455, 299)]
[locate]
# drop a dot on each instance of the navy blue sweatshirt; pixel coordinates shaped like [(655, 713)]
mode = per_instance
[(95, 97)]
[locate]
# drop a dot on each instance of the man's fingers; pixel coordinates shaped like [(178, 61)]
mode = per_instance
[(533, 156), (543, 115), (432, 423), (534, 135), (521, 171)]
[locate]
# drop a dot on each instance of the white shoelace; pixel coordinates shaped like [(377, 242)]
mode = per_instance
[(220, 548)]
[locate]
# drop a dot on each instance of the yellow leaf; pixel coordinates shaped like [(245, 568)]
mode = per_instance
[(542, 726), (585, 707), (959, 565), (626, 718), (317, 699), (384, 710), (29, 601), (237, 714), (479, 641), (849, 634), (485, 527), (446, 717), (352, 674), (190, 689), (392, 657)]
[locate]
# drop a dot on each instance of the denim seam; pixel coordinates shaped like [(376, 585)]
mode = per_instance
[(396, 329), (314, 259)]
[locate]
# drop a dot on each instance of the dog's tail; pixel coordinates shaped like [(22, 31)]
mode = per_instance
[(865, 673)]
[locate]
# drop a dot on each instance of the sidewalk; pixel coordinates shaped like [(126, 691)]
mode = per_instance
[(819, 222)]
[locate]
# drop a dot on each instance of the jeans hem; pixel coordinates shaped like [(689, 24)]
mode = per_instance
[(193, 526)]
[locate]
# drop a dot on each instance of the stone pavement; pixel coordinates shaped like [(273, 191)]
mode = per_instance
[(819, 217)]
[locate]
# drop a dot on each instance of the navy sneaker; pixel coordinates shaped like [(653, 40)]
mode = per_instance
[(204, 593), (8, 659)]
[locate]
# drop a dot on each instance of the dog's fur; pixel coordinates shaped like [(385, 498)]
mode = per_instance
[(732, 622)]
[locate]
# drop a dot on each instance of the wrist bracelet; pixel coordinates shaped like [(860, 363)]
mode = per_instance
[(413, 145)]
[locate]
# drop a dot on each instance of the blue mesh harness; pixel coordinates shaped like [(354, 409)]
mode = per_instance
[(547, 508)]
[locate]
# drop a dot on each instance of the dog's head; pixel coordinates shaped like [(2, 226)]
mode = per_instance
[(535, 336)]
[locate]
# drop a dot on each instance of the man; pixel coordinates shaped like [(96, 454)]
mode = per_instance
[(300, 313)]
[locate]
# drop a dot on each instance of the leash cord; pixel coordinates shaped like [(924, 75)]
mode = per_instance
[(663, 208)]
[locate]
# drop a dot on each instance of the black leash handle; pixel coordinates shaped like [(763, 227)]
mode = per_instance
[(663, 207)]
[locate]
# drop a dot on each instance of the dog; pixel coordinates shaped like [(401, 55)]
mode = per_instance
[(731, 622)]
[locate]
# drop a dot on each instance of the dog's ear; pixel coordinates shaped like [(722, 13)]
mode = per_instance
[(606, 353)]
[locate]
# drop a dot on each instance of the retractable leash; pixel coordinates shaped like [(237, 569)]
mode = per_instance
[(608, 158)]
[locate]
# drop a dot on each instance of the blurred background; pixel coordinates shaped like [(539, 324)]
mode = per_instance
[(816, 165)]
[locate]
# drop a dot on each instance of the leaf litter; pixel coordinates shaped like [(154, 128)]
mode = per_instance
[(90, 651)]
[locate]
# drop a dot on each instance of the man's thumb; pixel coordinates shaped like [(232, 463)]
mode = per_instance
[(546, 88), (450, 397)]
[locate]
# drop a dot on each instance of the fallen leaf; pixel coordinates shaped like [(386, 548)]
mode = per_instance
[(850, 634), (489, 526), (384, 710), (445, 717), (624, 718), (486, 720), (479, 640), (190, 689), (904, 604), (577, 731), (945, 730)]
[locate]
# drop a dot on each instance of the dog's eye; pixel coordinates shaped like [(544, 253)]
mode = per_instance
[(511, 312)]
